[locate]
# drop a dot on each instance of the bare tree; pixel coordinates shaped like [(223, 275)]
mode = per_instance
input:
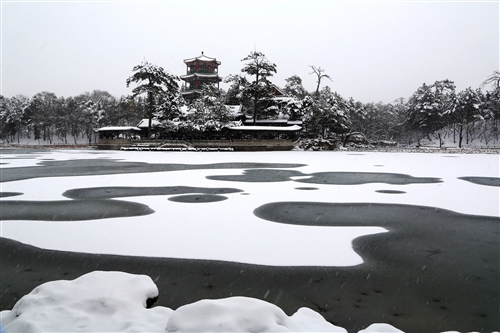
[(320, 74), (493, 78)]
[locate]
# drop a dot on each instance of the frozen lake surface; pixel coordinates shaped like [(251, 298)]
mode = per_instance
[(406, 239), (201, 205)]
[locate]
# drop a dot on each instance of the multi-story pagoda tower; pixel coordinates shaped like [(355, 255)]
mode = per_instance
[(200, 71)]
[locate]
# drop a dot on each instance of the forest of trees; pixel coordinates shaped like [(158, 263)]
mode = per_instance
[(433, 108)]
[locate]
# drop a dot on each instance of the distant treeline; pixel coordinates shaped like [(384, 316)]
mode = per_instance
[(466, 115)]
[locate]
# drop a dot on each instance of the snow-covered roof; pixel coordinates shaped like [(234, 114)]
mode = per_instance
[(277, 91), (283, 98), (118, 128), (144, 123), (267, 121), (189, 76), (280, 119), (202, 57), (267, 128)]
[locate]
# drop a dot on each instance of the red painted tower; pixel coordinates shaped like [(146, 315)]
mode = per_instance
[(199, 71)]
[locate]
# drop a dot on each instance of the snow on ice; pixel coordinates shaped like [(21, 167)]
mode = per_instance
[(116, 301), (207, 230)]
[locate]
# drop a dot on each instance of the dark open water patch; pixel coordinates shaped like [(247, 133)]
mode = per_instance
[(198, 198), (123, 191), (326, 178), (70, 210), (435, 271), (358, 178), (435, 260), (90, 167), (307, 188), (390, 191), (488, 181), (9, 194), (260, 176)]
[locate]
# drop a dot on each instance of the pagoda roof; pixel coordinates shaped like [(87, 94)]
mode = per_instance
[(189, 76), (202, 57)]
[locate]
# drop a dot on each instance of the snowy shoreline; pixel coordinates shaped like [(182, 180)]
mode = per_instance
[(421, 149)]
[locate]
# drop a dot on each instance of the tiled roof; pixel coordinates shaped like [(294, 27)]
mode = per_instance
[(201, 58)]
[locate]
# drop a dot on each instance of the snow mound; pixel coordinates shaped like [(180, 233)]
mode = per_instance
[(97, 301), (380, 328), (243, 314), (117, 302)]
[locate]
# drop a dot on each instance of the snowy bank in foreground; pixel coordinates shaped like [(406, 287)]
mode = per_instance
[(116, 302)]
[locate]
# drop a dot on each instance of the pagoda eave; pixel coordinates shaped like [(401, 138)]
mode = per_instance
[(198, 75), (201, 58)]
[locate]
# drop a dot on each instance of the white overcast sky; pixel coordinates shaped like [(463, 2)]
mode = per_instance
[(374, 51)]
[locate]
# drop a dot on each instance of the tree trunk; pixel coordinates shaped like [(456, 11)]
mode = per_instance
[(150, 113), (254, 118), (460, 136), (467, 134), (255, 98)]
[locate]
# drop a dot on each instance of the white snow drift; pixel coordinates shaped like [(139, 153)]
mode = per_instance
[(116, 302)]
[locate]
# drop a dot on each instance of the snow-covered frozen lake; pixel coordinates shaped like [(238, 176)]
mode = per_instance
[(198, 225)]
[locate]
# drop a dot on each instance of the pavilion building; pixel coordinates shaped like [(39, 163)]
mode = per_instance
[(200, 71)]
